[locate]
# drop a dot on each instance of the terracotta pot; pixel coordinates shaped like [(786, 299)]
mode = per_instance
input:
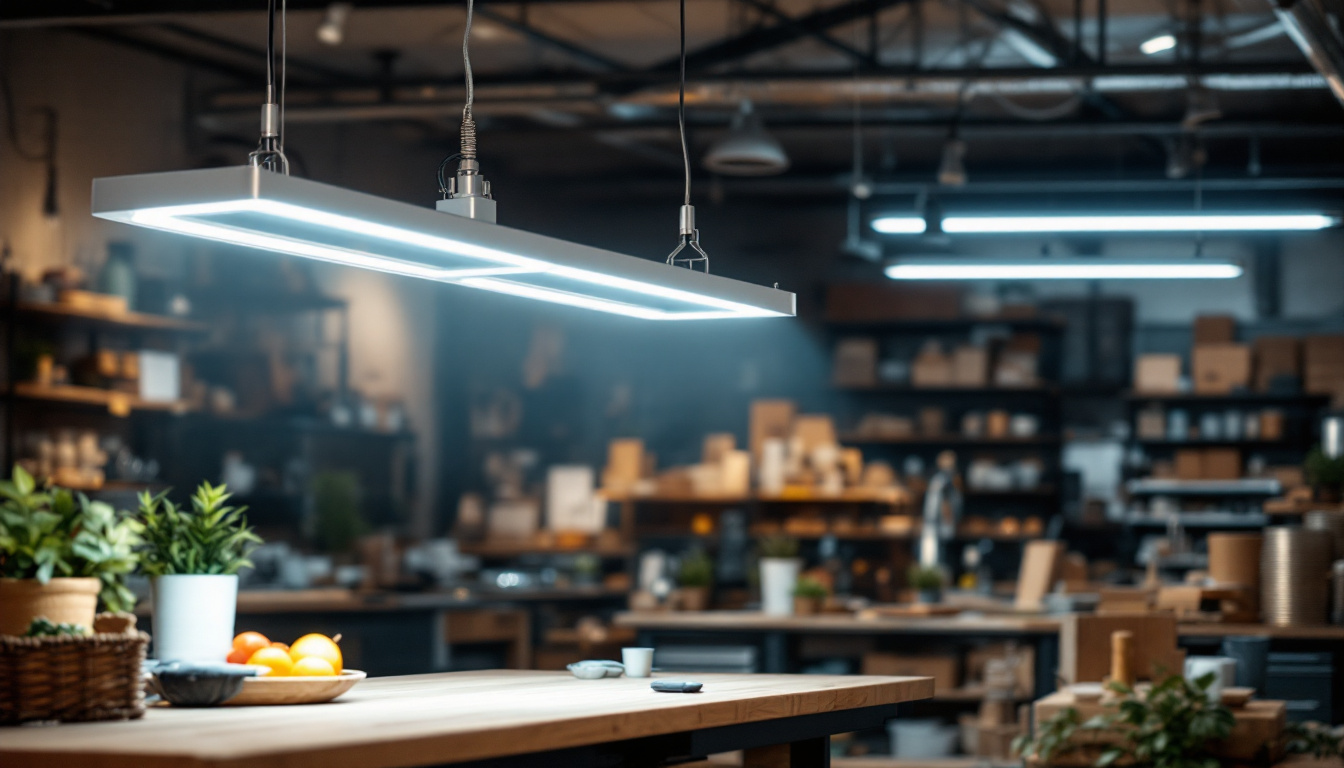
[(62, 600), (806, 606), (693, 598)]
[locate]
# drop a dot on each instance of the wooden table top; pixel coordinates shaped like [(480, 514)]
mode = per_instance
[(433, 719), (755, 621), (966, 623)]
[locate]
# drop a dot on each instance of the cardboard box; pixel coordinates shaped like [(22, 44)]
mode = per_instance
[(1214, 329), (932, 368), (970, 366), (945, 669), (855, 363), (1221, 464), (1189, 464), (1219, 369), (1016, 368), (1271, 424), (770, 418), (1151, 423), (1323, 366), (1085, 645), (1276, 357), (1157, 374)]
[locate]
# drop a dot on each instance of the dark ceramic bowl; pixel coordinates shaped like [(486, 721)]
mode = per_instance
[(200, 685)]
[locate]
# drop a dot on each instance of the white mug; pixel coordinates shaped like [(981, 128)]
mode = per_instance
[(638, 661), (1223, 667)]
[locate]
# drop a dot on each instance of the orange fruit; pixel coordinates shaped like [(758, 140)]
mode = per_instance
[(312, 666), (238, 656), (248, 643), (281, 646), (274, 659), (319, 646)]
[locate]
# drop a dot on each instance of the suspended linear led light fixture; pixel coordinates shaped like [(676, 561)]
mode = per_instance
[(261, 206), (953, 268), (1134, 223), (253, 207), (1158, 44)]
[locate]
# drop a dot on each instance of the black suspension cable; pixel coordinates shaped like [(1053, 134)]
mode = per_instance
[(681, 107)]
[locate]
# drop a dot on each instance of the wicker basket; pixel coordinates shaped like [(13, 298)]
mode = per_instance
[(92, 677)]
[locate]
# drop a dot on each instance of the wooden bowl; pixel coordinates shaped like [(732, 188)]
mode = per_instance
[(1237, 697), (266, 691)]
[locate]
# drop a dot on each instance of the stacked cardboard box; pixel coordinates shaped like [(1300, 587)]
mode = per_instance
[(1323, 358)]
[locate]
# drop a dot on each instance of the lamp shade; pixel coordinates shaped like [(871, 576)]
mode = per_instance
[(747, 149)]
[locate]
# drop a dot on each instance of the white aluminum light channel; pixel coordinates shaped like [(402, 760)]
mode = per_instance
[(256, 208), (1098, 268), (1119, 223)]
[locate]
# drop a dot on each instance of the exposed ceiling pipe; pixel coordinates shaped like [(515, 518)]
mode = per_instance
[(1314, 33)]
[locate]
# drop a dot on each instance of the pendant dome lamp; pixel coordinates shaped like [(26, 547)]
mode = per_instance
[(747, 149)]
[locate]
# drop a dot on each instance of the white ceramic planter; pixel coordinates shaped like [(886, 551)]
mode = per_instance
[(779, 575), (193, 617)]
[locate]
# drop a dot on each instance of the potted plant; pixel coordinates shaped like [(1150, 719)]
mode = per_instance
[(59, 553), (928, 582), (1325, 475), (780, 565), (808, 596), (1171, 724), (192, 557), (695, 577)]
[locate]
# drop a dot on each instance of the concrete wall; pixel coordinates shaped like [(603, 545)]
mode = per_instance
[(123, 112)]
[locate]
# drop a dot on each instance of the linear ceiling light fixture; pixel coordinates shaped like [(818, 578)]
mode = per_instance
[(261, 206), (1158, 44), (1096, 268), (1118, 223)]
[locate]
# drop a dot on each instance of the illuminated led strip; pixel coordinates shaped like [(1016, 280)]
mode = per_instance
[(1204, 222), (307, 219), (1047, 269)]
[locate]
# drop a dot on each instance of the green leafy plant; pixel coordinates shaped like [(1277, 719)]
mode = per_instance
[(696, 570), (810, 588), (44, 627), (1321, 741), (1171, 725), (336, 509), (49, 533), (1323, 471), (924, 579), (210, 538), (778, 546), (1052, 737), (1168, 725)]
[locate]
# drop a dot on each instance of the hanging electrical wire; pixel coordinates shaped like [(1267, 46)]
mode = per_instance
[(468, 192), (270, 151), (689, 235)]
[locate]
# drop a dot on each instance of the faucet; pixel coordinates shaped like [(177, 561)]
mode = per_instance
[(942, 512)]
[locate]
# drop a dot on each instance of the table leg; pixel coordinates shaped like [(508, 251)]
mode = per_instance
[(809, 753), (776, 648)]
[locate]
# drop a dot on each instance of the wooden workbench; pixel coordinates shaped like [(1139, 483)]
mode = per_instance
[(493, 718)]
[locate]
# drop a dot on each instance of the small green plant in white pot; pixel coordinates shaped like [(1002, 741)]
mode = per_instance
[(59, 554), (192, 557), (928, 582), (780, 565)]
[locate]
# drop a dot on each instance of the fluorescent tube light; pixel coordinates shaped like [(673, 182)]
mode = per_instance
[(1097, 268), (1192, 222), (255, 208), (1155, 45)]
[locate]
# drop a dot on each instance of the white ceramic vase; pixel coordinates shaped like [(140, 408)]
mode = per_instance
[(193, 617), (779, 575)]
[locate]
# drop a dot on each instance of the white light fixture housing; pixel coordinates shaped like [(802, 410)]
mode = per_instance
[(256, 208), (332, 29), (1111, 223), (747, 149), (1158, 44), (1095, 268)]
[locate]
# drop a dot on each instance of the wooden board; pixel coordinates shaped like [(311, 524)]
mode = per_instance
[(433, 719), (753, 621), (1040, 563), (1085, 645)]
